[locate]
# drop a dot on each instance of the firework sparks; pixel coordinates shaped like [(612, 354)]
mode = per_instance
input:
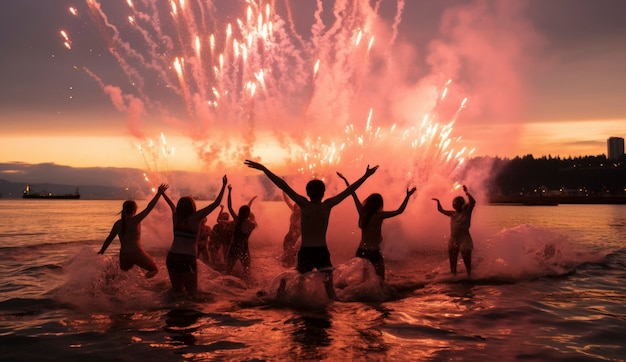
[(223, 83)]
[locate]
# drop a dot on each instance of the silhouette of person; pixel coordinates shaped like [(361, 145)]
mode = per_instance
[(221, 236), (460, 238), (288, 258), (315, 214), (203, 241), (371, 217), (181, 258), (128, 229), (244, 225)]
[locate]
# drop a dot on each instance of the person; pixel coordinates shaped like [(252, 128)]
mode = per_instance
[(203, 241), (371, 217), (315, 214), (288, 258), (181, 258), (239, 248), (460, 239), (221, 236), (128, 229)]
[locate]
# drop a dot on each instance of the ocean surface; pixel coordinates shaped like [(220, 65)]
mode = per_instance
[(549, 284)]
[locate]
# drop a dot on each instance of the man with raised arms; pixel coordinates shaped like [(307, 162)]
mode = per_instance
[(315, 214)]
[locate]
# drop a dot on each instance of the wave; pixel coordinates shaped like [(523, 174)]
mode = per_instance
[(522, 253)]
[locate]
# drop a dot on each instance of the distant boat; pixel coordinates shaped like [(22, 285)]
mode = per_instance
[(50, 196)]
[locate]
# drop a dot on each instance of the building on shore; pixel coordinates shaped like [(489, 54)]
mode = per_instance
[(615, 148)]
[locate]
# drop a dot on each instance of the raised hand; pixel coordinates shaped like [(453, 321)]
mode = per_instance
[(255, 165), (464, 188), (163, 188), (410, 192), (434, 199), (370, 171), (343, 178)]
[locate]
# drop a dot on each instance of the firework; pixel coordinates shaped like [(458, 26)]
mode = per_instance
[(234, 75)]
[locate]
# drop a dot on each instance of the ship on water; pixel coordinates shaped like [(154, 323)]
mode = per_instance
[(48, 195)]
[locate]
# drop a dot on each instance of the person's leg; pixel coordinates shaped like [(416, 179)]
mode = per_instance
[(175, 276), (146, 262), (466, 253), (245, 262), (328, 284), (453, 254), (379, 266), (190, 281)]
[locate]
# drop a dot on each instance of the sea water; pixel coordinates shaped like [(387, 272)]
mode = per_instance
[(548, 284)]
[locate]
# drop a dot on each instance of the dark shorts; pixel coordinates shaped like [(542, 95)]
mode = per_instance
[(374, 256), (181, 263), (310, 258)]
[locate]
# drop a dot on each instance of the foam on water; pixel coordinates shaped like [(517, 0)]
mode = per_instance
[(525, 252)]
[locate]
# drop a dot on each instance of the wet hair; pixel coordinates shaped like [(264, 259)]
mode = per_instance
[(244, 213), (458, 202), (372, 204), (129, 208), (185, 207), (315, 189)]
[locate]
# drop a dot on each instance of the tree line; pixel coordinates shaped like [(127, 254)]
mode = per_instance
[(525, 175)]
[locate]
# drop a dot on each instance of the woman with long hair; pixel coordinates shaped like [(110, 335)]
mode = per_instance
[(371, 217), (239, 248), (181, 258), (128, 229)]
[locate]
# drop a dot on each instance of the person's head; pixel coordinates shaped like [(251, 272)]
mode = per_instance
[(224, 216), (315, 190), (244, 212), (185, 207), (129, 208), (458, 202), (373, 203)]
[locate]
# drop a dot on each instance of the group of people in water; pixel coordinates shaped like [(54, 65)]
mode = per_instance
[(193, 239)]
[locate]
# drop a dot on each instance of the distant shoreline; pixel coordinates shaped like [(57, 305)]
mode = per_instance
[(556, 200)]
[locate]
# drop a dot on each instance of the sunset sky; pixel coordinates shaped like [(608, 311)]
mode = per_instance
[(540, 77)]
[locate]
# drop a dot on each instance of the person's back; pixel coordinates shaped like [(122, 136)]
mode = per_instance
[(460, 239), (314, 223), (128, 230), (130, 237), (371, 233), (460, 221)]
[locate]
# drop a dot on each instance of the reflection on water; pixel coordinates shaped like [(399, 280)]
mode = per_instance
[(310, 333)]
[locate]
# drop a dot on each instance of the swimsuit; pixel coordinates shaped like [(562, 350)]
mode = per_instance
[(374, 256), (311, 257)]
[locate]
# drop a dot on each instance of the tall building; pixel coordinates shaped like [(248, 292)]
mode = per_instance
[(615, 147)]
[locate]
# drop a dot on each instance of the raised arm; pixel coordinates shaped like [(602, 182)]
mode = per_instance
[(251, 201), (357, 202), (402, 207), (279, 182), (350, 189), (441, 209), (212, 206), (230, 204), (472, 201), (169, 202), (141, 215)]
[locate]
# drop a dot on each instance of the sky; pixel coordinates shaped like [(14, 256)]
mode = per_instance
[(525, 77)]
